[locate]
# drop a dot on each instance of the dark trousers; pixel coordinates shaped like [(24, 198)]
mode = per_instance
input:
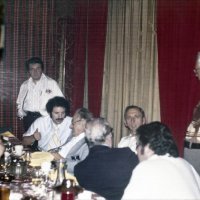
[(30, 118)]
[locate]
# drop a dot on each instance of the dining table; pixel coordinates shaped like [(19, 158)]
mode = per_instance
[(32, 175)]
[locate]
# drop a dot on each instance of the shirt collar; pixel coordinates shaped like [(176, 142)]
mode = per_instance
[(80, 136)]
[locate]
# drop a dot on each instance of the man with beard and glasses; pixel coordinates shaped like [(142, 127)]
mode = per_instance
[(53, 130), (77, 148)]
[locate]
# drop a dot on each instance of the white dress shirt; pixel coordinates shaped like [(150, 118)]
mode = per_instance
[(34, 96), (128, 141), (67, 147), (163, 177), (45, 126)]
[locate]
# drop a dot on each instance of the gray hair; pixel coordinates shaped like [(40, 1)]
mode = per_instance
[(97, 129)]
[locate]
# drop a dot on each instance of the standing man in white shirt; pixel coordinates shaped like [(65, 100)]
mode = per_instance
[(76, 149), (35, 92), (53, 130), (134, 117)]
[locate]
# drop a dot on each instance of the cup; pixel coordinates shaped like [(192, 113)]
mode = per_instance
[(18, 150), (4, 192)]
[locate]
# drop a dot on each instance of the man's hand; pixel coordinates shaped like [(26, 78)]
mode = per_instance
[(37, 135), (57, 156)]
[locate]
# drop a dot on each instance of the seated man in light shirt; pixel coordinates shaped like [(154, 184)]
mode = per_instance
[(53, 130), (161, 174), (76, 149), (134, 117)]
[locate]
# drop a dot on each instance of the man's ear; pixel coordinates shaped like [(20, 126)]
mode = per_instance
[(148, 151), (125, 124), (144, 120)]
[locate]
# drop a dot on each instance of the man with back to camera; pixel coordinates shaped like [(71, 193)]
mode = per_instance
[(134, 117), (161, 173), (35, 92), (53, 130), (106, 170)]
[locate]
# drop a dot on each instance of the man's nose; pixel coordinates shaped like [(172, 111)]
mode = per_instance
[(71, 126), (133, 119), (60, 115)]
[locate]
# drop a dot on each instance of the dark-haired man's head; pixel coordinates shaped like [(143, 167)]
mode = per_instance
[(134, 117), (58, 108), (155, 138), (35, 67)]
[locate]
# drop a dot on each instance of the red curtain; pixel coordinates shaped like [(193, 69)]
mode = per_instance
[(178, 32), (96, 47), (90, 33), (78, 72)]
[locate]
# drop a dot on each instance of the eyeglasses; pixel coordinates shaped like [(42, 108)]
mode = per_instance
[(74, 122)]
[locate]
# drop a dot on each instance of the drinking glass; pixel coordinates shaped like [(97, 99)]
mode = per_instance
[(27, 157), (4, 191)]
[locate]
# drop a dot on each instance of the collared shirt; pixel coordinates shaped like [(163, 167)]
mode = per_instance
[(163, 177), (34, 96), (128, 141), (67, 147), (45, 126)]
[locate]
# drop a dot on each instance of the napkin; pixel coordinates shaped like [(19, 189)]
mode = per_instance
[(37, 158), (7, 134)]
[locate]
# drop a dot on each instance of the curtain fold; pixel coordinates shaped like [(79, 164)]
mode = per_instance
[(79, 57), (90, 32), (130, 66), (97, 21)]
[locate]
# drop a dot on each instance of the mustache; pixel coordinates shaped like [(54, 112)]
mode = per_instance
[(59, 119)]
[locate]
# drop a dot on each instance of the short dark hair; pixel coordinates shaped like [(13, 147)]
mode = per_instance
[(84, 113), (58, 102), (34, 60), (159, 138), (134, 107)]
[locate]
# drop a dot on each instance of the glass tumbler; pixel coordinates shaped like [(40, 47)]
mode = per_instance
[(4, 191)]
